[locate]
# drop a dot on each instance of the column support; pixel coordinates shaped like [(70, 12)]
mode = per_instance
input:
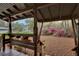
[(74, 31), (10, 31), (3, 42), (35, 38), (78, 38)]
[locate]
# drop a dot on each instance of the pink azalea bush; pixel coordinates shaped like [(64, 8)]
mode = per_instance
[(56, 32)]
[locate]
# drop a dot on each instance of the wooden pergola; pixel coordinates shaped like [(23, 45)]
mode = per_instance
[(41, 12)]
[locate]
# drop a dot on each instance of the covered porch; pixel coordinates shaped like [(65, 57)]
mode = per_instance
[(41, 13)]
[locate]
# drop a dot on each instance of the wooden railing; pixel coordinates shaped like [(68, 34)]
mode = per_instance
[(29, 45)]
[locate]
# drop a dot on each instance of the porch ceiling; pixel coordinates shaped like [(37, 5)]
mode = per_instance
[(45, 12)]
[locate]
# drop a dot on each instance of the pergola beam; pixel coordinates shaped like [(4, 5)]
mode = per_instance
[(10, 11), (6, 14), (53, 19), (26, 16), (58, 18), (16, 7), (13, 18), (2, 15), (50, 13), (18, 16), (41, 14), (25, 4), (72, 12)]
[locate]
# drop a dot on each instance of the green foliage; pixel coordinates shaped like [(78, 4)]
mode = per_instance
[(21, 28), (17, 27), (30, 25)]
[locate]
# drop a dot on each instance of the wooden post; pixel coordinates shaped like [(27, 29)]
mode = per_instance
[(35, 38), (3, 42), (39, 39), (75, 35), (73, 26), (78, 38), (10, 31)]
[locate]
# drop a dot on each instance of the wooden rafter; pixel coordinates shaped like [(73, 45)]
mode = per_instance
[(41, 14), (2, 15), (13, 18), (26, 16), (50, 13), (26, 5), (18, 16), (10, 11), (32, 13), (5, 13), (72, 12), (18, 19), (58, 18), (5, 20), (16, 7)]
